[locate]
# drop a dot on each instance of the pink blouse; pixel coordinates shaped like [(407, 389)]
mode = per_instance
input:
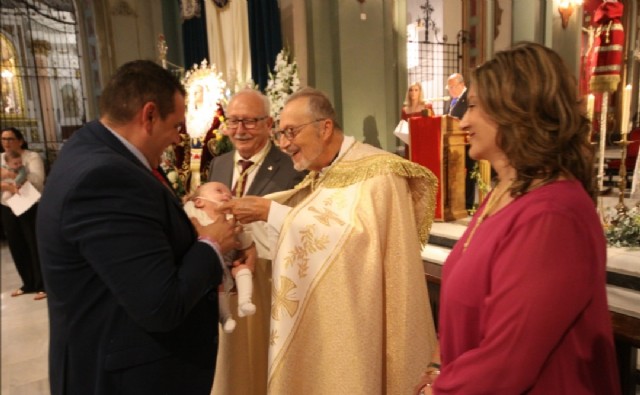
[(524, 308)]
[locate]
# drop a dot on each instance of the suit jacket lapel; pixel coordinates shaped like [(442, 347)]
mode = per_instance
[(103, 134), (222, 170), (266, 172)]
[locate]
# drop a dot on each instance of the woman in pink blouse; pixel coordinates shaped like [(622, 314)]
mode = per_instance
[(523, 300)]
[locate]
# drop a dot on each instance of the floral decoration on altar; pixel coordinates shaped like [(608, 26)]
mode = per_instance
[(282, 82), (623, 230), (177, 180)]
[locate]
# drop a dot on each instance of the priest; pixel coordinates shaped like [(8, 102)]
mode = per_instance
[(349, 311)]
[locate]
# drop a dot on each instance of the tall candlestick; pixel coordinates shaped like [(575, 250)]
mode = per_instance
[(626, 103), (603, 139)]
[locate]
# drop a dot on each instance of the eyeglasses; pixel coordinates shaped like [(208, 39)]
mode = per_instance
[(9, 139), (292, 131), (248, 123)]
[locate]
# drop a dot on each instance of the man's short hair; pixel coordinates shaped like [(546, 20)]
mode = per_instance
[(265, 100), (457, 77), (133, 85), (319, 104)]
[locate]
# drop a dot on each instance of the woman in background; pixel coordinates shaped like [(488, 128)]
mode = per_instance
[(523, 299), (414, 104), (21, 230)]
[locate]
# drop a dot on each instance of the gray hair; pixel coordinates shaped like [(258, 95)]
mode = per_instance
[(457, 77), (319, 104), (249, 91)]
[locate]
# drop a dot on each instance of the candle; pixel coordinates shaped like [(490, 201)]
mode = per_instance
[(626, 103), (590, 103)]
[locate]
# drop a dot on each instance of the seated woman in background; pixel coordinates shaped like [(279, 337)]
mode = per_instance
[(523, 303), (414, 104)]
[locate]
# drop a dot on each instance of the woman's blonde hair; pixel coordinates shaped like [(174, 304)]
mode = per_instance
[(420, 97), (530, 93)]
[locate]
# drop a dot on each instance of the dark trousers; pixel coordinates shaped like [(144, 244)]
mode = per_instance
[(21, 237)]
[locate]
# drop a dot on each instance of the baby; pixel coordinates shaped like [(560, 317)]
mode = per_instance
[(14, 164), (203, 205)]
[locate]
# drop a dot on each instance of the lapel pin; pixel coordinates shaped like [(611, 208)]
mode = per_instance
[(270, 168)]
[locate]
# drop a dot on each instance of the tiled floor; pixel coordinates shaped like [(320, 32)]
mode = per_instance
[(25, 336)]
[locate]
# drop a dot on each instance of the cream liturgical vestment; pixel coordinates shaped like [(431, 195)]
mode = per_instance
[(350, 311)]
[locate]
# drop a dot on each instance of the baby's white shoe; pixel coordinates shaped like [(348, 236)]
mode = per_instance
[(246, 309), (229, 325)]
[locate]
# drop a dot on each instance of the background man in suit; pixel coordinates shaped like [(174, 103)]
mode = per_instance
[(132, 285), (243, 356), (456, 107)]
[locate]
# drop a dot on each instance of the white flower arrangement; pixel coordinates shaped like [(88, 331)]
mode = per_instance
[(282, 82), (168, 165), (623, 227)]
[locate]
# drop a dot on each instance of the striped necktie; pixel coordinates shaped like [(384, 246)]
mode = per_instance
[(241, 184)]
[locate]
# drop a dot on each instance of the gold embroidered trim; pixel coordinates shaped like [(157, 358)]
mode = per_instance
[(423, 184)]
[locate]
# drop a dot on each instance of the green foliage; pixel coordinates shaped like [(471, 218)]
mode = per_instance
[(222, 145), (475, 175), (624, 228)]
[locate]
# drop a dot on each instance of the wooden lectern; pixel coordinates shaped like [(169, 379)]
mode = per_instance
[(437, 143)]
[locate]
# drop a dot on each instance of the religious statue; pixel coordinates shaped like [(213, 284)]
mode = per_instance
[(204, 119)]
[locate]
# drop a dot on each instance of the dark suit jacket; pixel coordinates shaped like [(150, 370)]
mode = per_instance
[(128, 285), (459, 109), (276, 173)]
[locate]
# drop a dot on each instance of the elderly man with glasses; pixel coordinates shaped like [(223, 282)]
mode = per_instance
[(349, 309), (255, 167)]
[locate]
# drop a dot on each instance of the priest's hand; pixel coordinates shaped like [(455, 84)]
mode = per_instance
[(248, 209)]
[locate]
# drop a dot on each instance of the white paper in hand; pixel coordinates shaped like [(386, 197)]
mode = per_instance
[(402, 131), (22, 201)]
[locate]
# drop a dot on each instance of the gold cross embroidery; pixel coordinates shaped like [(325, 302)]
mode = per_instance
[(281, 300)]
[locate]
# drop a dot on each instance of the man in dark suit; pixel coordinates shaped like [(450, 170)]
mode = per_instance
[(243, 357), (131, 284), (456, 107)]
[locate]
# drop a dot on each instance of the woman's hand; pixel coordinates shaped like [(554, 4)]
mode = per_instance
[(430, 374), (10, 187), (426, 380), (6, 173)]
